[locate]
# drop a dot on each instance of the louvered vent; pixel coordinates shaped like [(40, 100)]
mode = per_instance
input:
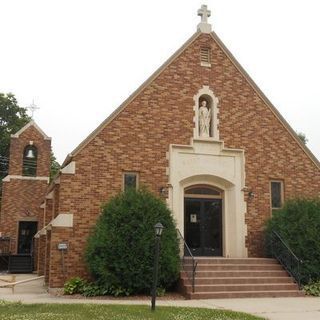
[(205, 57)]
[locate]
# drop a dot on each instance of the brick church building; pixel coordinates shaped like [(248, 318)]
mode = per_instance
[(200, 134)]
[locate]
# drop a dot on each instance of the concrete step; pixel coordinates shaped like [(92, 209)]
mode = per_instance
[(236, 273), (243, 287), (238, 280), (244, 294), (212, 260), (242, 267)]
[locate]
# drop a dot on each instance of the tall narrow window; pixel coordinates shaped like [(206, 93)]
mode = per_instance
[(276, 194), (130, 180), (30, 155), (205, 59)]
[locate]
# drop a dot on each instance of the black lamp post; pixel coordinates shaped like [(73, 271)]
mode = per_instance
[(158, 230)]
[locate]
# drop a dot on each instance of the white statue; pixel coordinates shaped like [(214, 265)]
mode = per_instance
[(204, 120)]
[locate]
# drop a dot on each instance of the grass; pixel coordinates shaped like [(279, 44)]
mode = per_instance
[(19, 311)]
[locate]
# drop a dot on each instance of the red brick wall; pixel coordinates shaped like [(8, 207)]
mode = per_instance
[(61, 266), (162, 114), (46, 261), (41, 255)]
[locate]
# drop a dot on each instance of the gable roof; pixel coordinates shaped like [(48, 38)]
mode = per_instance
[(237, 65), (28, 125)]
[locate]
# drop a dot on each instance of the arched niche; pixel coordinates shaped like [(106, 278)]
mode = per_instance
[(206, 114)]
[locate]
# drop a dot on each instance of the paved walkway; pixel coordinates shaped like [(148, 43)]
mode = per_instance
[(302, 308)]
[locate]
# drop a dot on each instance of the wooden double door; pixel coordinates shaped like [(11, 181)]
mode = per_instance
[(203, 226)]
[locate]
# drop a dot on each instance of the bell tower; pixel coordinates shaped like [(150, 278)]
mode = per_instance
[(24, 187)]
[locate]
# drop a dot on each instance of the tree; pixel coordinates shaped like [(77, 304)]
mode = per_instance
[(55, 166), (12, 119), (302, 137)]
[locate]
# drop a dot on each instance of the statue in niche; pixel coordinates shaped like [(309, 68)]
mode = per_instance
[(204, 119)]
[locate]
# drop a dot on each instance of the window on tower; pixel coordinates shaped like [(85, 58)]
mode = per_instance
[(30, 155)]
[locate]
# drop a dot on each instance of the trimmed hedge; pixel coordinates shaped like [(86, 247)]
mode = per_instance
[(298, 223), (120, 250)]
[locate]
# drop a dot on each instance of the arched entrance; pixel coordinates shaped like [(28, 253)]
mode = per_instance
[(203, 220)]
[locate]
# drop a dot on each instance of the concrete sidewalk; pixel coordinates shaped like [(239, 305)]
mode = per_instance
[(302, 308)]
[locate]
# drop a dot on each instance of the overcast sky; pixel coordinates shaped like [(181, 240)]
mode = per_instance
[(80, 59)]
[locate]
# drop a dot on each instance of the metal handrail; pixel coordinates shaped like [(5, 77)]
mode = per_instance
[(194, 262), (287, 259), (288, 248)]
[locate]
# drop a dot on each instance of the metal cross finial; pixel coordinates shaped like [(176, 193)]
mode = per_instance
[(204, 13), (33, 108)]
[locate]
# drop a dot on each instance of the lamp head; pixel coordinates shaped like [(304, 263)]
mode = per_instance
[(158, 229)]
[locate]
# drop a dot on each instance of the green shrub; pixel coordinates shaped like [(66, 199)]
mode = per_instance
[(298, 223), (120, 250), (93, 290), (313, 288), (118, 291), (74, 285)]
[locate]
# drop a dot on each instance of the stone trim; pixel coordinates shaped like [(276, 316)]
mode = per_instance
[(136, 173), (32, 219), (64, 220), (50, 195), (224, 169), (9, 177), (41, 232), (29, 124), (70, 168)]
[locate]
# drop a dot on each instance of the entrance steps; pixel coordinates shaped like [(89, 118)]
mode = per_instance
[(237, 278)]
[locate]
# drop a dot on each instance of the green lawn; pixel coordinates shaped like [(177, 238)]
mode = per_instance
[(15, 311)]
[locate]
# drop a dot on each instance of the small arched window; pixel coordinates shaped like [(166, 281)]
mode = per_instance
[(202, 191), (30, 155)]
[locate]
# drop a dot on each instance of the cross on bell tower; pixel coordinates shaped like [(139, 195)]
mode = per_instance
[(204, 13), (33, 107)]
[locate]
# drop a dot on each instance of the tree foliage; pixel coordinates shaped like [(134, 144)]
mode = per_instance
[(12, 119), (302, 137), (54, 167), (120, 249), (298, 223)]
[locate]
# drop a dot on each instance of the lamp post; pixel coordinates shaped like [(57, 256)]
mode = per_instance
[(158, 230)]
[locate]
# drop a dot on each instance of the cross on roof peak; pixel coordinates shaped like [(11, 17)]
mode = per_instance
[(204, 13)]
